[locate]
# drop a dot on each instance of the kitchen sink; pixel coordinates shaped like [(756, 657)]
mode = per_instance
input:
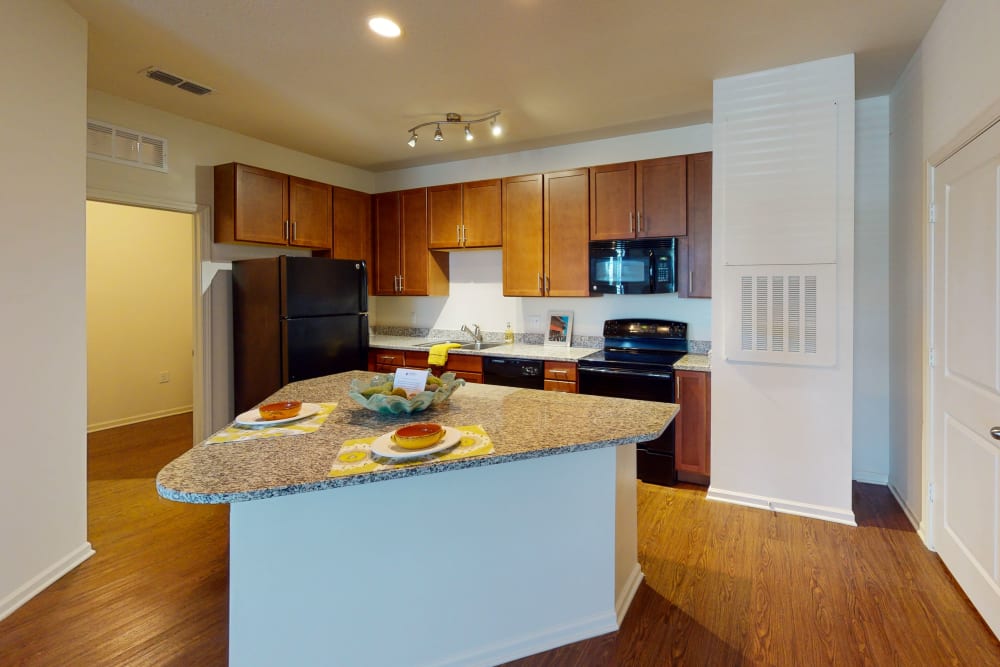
[(479, 346), (430, 343)]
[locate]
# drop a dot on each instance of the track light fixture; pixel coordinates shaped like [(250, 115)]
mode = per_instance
[(456, 119)]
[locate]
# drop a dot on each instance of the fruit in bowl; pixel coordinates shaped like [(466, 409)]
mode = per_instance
[(280, 410), (376, 394), (418, 436)]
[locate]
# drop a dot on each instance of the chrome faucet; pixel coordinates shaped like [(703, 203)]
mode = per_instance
[(475, 333)]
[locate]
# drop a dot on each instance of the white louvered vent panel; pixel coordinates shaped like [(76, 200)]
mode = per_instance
[(125, 146), (780, 131), (786, 314)]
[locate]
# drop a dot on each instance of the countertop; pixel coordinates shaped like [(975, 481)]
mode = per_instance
[(523, 424), (545, 352), (694, 362)]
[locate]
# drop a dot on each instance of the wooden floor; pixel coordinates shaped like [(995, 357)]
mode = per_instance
[(725, 585)]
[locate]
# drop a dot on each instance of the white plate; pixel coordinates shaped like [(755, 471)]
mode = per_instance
[(386, 447), (252, 417)]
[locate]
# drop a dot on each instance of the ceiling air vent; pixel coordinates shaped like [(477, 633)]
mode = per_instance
[(158, 74), (125, 146)]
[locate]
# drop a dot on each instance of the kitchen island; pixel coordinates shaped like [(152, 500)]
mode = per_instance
[(470, 561)]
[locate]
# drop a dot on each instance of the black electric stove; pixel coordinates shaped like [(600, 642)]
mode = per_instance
[(638, 362)]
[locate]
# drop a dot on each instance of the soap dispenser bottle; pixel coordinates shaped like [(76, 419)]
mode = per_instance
[(508, 335)]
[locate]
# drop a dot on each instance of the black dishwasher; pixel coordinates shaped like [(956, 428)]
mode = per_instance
[(524, 373)]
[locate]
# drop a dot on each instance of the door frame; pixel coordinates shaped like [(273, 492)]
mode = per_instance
[(201, 362), (979, 125)]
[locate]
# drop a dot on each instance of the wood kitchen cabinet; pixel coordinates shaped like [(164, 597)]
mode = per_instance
[(694, 253), (403, 264), (560, 376), (254, 205), (693, 426), (352, 211), (545, 234), (466, 366), (465, 215), (645, 199)]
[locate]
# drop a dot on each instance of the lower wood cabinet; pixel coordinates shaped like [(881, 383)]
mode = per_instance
[(466, 366), (560, 376), (693, 425)]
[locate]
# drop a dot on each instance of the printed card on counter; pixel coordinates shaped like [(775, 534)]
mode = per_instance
[(412, 381)]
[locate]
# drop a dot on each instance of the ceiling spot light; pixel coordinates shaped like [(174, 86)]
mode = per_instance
[(385, 27), (456, 119)]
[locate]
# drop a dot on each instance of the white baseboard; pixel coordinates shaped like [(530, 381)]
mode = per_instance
[(834, 514), (527, 645), (917, 525), (135, 419), (869, 477), (627, 593), (44, 579)]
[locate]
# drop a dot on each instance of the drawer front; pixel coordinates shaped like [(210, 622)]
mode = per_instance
[(416, 359), (465, 362), (560, 385), (476, 378), (560, 370), (389, 358)]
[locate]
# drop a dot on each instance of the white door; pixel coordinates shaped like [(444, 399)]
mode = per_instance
[(965, 379)]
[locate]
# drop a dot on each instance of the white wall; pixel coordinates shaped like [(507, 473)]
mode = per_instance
[(951, 81), (476, 286), (781, 434), (871, 291), (43, 499)]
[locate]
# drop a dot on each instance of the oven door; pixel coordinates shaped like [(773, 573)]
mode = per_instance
[(654, 458)]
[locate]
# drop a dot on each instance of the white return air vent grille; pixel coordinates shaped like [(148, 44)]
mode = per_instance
[(782, 314), (125, 146)]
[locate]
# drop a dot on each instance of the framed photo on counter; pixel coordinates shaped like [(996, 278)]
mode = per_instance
[(559, 330)]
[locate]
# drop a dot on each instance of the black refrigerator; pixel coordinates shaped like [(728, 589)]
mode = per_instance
[(296, 318)]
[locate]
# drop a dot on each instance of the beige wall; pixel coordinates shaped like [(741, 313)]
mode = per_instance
[(951, 81), (139, 313), (43, 493)]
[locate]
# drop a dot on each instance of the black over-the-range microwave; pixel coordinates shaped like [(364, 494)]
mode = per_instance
[(642, 266)]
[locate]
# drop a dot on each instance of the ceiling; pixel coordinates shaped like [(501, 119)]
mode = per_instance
[(309, 75)]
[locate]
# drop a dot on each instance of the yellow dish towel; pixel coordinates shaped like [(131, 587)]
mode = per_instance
[(438, 356)]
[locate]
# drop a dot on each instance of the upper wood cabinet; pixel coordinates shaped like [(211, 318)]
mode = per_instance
[(638, 199), (545, 234), (403, 264), (352, 213), (254, 205), (693, 423), (694, 253), (465, 215)]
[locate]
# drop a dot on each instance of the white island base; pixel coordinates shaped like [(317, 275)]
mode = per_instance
[(464, 567)]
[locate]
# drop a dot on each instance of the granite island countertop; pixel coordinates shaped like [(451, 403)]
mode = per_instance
[(522, 423)]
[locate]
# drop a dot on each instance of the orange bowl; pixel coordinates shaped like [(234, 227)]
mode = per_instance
[(418, 436), (280, 410)]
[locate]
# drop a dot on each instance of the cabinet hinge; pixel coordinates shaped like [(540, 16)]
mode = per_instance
[(932, 215)]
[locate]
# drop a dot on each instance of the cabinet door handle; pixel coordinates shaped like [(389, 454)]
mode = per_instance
[(458, 234), (558, 371), (294, 225), (638, 221), (690, 280), (465, 234), (546, 283), (400, 282), (540, 283), (631, 226), (284, 231)]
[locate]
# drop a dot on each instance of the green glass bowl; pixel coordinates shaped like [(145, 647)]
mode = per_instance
[(388, 404)]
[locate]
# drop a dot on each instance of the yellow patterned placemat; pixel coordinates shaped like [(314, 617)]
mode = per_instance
[(355, 456), (234, 433)]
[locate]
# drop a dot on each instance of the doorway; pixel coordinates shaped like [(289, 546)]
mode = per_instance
[(965, 373), (140, 314)]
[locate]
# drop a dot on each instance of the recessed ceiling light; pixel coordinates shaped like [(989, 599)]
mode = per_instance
[(380, 25)]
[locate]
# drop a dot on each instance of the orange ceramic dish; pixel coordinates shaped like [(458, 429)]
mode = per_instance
[(282, 410), (418, 436)]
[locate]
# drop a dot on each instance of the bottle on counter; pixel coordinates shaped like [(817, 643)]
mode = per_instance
[(508, 335)]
